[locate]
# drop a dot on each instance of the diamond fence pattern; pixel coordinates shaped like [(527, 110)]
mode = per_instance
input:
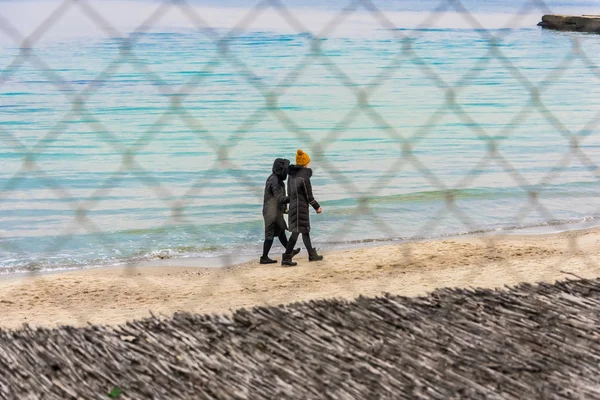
[(176, 111)]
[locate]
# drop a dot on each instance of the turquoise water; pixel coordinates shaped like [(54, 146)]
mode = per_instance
[(139, 171)]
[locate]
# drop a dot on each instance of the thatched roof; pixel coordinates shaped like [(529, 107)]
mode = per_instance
[(524, 343)]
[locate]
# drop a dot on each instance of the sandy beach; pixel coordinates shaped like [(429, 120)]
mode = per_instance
[(116, 295)]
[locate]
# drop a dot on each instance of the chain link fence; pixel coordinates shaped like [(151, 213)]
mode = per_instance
[(272, 100)]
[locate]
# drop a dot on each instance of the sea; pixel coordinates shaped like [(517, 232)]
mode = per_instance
[(136, 131)]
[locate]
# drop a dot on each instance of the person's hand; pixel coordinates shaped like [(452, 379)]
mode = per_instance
[(320, 210)]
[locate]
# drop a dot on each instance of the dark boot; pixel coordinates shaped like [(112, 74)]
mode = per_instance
[(296, 251), (313, 255), (267, 260), (286, 261)]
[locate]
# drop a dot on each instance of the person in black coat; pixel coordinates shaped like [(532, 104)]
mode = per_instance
[(300, 199), (274, 205)]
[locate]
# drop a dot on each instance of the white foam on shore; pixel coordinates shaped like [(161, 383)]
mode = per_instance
[(228, 261)]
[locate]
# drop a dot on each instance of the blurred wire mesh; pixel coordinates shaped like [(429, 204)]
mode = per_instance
[(273, 102)]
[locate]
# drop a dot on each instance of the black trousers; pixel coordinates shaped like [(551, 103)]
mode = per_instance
[(294, 239), (269, 243)]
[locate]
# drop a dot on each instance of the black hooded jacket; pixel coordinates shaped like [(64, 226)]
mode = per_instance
[(275, 200), (300, 198)]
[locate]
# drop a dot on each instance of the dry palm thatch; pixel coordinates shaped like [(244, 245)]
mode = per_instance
[(531, 341)]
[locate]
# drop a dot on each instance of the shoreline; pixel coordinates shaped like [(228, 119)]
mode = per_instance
[(227, 260), (114, 295)]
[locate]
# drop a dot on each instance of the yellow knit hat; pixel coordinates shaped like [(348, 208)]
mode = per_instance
[(302, 158)]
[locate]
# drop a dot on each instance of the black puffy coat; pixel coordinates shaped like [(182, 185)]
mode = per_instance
[(275, 200), (301, 196)]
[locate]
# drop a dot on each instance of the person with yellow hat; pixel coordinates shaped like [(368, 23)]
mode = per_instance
[(301, 198)]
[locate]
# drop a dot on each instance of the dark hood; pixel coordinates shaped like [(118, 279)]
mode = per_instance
[(280, 168), (294, 170)]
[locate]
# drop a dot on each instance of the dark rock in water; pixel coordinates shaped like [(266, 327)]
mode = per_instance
[(584, 23)]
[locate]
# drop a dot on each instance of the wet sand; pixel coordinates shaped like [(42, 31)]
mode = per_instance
[(115, 295)]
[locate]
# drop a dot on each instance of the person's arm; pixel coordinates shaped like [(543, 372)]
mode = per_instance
[(278, 192), (309, 195)]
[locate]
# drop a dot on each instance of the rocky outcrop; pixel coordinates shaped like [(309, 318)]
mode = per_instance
[(584, 23)]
